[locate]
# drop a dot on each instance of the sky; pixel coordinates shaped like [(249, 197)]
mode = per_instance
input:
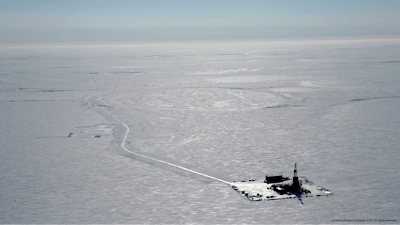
[(158, 20)]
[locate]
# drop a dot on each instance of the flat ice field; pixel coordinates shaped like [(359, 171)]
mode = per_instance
[(230, 111)]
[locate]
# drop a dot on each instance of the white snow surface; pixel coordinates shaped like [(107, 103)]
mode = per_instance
[(230, 112)]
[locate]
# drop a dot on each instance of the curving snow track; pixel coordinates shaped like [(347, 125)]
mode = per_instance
[(157, 160)]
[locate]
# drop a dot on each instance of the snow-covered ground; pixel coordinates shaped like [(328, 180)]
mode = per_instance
[(232, 112)]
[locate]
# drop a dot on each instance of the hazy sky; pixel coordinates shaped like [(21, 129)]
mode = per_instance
[(129, 20)]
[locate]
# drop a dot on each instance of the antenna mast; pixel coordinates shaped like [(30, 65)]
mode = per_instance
[(295, 178)]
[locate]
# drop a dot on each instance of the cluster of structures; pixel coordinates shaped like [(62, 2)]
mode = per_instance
[(279, 187)]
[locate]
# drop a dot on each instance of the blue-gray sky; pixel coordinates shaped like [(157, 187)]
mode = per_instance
[(129, 20)]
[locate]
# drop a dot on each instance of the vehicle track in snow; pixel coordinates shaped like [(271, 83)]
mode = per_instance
[(122, 145)]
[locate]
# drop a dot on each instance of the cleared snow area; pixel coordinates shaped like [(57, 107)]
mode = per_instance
[(257, 190)]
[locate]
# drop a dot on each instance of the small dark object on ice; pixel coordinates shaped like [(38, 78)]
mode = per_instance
[(97, 136), (70, 134)]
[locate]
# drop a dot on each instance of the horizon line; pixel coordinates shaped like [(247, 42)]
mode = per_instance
[(200, 43)]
